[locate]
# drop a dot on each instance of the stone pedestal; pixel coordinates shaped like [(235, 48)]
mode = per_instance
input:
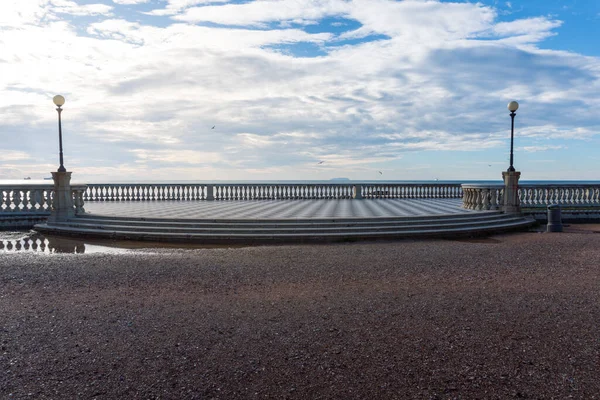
[(512, 204), (357, 189), (62, 205)]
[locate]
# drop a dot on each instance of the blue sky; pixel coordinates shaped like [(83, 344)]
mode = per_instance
[(416, 89)]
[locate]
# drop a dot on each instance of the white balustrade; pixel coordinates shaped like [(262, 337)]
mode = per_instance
[(482, 197), (567, 195), (266, 191), (411, 191), (144, 192), (35, 198)]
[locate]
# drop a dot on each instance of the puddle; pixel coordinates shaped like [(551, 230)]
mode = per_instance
[(34, 242)]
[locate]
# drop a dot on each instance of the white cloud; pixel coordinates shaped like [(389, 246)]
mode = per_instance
[(260, 12), (535, 149), (128, 2), (433, 85), (177, 156), (73, 8), (175, 6), (14, 155)]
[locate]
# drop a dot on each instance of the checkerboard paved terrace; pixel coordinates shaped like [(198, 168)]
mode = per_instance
[(278, 209)]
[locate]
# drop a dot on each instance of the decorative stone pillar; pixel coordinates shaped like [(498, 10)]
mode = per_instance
[(358, 192), (210, 195), (62, 204), (512, 204)]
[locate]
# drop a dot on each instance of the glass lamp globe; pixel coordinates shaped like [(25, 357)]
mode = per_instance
[(58, 100), (513, 106)]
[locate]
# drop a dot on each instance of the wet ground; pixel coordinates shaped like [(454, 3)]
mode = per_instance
[(501, 317), (34, 242)]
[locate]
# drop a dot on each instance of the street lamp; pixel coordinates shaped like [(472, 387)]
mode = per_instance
[(59, 101), (513, 106)]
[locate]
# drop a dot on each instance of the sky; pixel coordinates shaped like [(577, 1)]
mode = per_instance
[(208, 90)]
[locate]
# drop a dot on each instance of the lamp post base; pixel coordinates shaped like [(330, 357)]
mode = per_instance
[(512, 203), (62, 203)]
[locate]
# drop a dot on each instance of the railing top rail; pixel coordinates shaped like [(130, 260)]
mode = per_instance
[(31, 184), (559, 185), (482, 186), (277, 184)]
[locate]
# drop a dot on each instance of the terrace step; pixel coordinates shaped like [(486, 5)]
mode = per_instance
[(100, 219), (264, 230), (290, 228)]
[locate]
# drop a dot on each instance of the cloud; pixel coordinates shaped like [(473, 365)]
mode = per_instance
[(176, 156), (260, 12), (128, 2), (14, 155), (535, 149), (144, 93), (175, 6), (73, 8)]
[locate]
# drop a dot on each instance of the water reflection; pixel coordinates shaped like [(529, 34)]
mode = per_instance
[(37, 243), (34, 242)]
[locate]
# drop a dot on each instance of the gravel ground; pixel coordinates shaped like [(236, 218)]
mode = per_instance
[(510, 316)]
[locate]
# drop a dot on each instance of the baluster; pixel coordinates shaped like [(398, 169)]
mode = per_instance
[(31, 203), (579, 196), (48, 199), (5, 200), (17, 200), (486, 199), (38, 197), (494, 199), (479, 205), (36, 200), (78, 201)]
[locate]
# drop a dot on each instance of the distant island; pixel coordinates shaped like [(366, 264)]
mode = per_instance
[(339, 179)]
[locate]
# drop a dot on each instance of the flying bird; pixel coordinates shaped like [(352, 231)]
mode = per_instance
[(380, 173), (213, 127), (321, 162)]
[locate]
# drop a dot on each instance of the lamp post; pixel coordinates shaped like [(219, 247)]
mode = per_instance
[(513, 106), (59, 101)]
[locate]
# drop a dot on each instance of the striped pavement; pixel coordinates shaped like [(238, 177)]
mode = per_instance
[(277, 209)]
